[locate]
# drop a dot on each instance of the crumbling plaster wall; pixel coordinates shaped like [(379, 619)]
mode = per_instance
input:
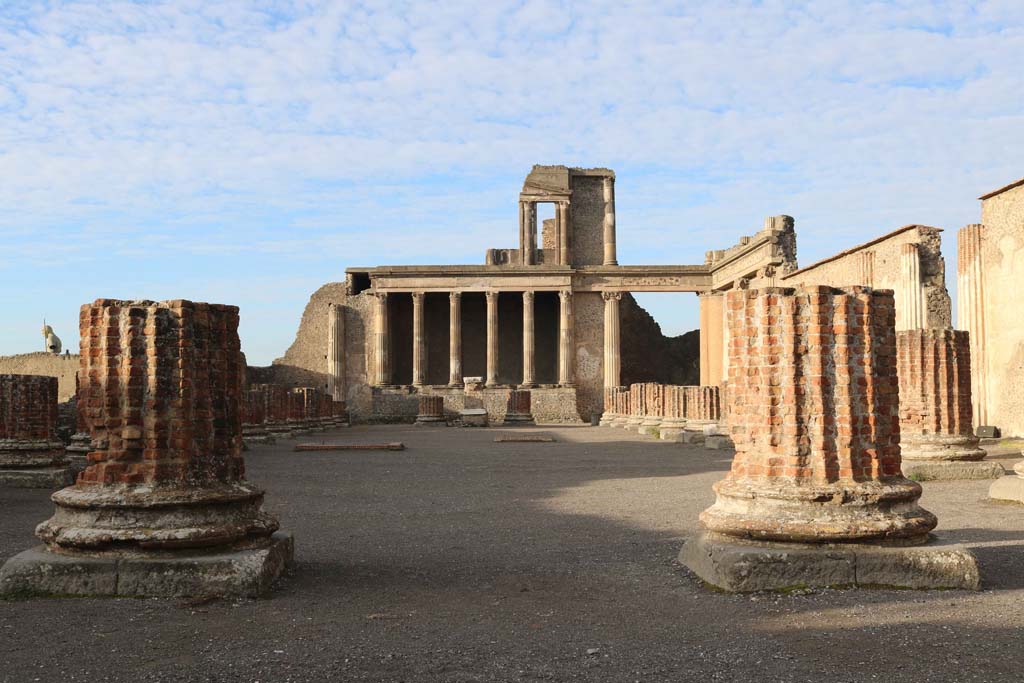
[(877, 264), (1002, 253), (63, 367)]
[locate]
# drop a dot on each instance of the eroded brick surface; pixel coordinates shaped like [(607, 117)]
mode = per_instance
[(28, 408)]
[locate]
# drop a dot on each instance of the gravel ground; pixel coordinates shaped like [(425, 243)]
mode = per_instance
[(461, 559)]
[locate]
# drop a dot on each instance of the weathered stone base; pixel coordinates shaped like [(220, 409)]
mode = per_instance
[(650, 427), (38, 478), (243, 572), (695, 438), (739, 566), (931, 470), (1008, 489), (431, 422)]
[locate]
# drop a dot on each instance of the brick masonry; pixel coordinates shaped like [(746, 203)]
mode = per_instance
[(163, 405), (936, 419), (28, 427), (814, 415)]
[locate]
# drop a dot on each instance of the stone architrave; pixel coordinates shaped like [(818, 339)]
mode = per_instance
[(163, 508), (31, 455), (815, 496), (937, 438)]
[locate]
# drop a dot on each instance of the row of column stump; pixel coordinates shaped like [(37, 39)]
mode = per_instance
[(816, 494), (683, 414)]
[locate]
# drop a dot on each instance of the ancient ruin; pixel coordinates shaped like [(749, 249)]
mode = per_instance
[(31, 455), (163, 507), (815, 496), (543, 317)]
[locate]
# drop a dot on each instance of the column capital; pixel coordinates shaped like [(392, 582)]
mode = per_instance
[(609, 296), (455, 296), (383, 296), (565, 294), (417, 297), (528, 295), (492, 297)]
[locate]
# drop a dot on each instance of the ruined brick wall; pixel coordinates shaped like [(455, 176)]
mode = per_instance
[(812, 384), (63, 367), (1002, 256), (28, 408), (588, 312), (878, 264), (164, 392)]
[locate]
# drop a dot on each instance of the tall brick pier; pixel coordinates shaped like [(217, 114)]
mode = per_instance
[(163, 507), (815, 495)]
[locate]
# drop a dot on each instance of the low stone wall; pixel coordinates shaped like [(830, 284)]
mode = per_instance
[(549, 405), (63, 367)]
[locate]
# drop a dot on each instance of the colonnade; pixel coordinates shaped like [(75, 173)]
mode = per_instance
[(381, 369)]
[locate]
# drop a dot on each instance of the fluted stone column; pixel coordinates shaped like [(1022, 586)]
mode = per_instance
[(815, 495), (529, 234), (971, 314), (492, 339), (910, 312), (455, 339), (566, 340), (163, 509), (382, 343), (564, 253), (609, 222), (336, 352), (529, 341), (612, 339), (936, 431), (419, 341)]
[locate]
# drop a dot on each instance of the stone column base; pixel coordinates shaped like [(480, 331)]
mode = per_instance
[(651, 426), (244, 570), (606, 420), (633, 423), (931, 470), (620, 421), (932, 447), (38, 477), (739, 566), (672, 429), (718, 441), (1009, 488)]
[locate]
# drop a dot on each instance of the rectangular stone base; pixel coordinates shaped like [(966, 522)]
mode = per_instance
[(739, 566), (717, 442), (246, 572), (937, 470), (1007, 488), (39, 478)]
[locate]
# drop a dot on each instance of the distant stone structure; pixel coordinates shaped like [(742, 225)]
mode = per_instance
[(815, 496), (51, 340), (163, 507), (546, 316), (31, 455)]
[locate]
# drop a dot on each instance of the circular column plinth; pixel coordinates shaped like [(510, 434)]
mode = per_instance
[(836, 512), (126, 517), (947, 447)]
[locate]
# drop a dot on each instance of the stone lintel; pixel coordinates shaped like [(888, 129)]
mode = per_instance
[(738, 566), (242, 571)]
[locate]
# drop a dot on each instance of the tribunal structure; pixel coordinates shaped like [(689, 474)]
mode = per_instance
[(542, 316)]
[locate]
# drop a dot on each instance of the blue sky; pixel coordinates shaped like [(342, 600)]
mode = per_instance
[(246, 153)]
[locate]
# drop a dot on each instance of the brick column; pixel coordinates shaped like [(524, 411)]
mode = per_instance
[(936, 428), (431, 410), (970, 285), (336, 352), (814, 412), (419, 341), (529, 341), (492, 339), (609, 222), (566, 340), (612, 339), (654, 397), (382, 342), (673, 424), (455, 340), (564, 253), (165, 478), (31, 455), (703, 407), (518, 410)]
